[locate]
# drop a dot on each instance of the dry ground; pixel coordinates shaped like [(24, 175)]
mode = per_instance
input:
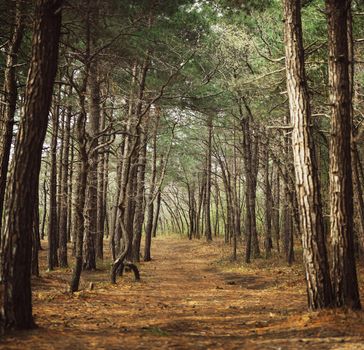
[(190, 297)]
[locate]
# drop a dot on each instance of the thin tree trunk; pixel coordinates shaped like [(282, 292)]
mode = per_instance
[(140, 207), (101, 196), (45, 191), (207, 204), (53, 217), (276, 209), (80, 202), (63, 199), (11, 94), (156, 214), (36, 238), (150, 198), (70, 226), (267, 202), (91, 201)]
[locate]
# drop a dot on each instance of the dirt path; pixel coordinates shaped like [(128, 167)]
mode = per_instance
[(186, 300)]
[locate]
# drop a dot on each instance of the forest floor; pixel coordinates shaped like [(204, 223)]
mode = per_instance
[(190, 297)]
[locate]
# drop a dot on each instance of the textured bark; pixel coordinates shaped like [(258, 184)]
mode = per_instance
[(250, 156), (358, 195), (101, 196), (16, 303), (267, 202), (156, 213), (36, 238), (248, 186), (129, 164), (287, 226), (228, 198), (139, 198), (53, 212), (11, 94), (191, 209), (91, 202), (207, 203), (45, 196), (253, 194), (64, 187), (83, 162), (276, 209), (120, 262), (130, 199), (217, 207), (80, 202), (115, 237), (343, 273), (150, 198), (60, 150), (307, 182), (235, 200), (288, 204), (105, 193), (70, 215)]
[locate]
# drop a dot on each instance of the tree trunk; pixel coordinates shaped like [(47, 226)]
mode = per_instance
[(248, 185), (53, 213), (70, 215), (307, 182), (11, 94), (343, 273), (276, 209), (208, 231), (358, 192), (91, 201), (156, 213), (253, 194), (114, 237), (289, 198), (16, 310), (267, 202), (139, 199), (36, 238), (45, 196), (150, 198), (63, 218), (80, 201), (101, 196)]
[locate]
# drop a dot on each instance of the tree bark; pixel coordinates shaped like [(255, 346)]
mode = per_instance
[(53, 212), (343, 272), (140, 192), (150, 198), (80, 201), (307, 182), (267, 201), (91, 201), (64, 193), (208, 230), (16, 303), (11, 94), (156, 213), (276, 208), (101, 171)]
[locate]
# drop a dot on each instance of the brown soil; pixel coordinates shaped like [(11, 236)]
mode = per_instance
[(189, 297)]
